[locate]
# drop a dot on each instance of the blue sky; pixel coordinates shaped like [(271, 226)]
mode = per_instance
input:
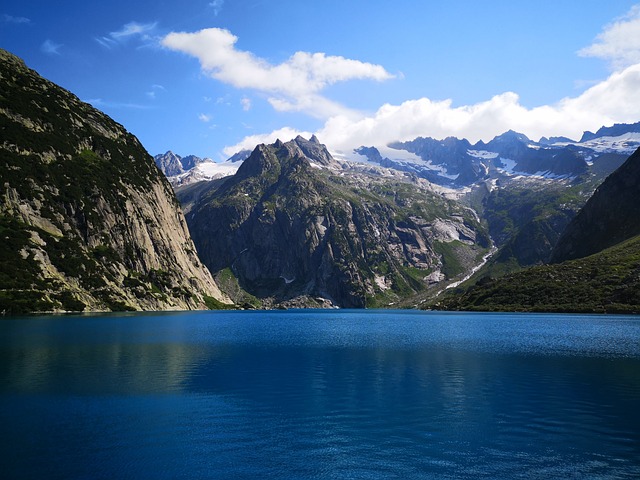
[(208, 77)]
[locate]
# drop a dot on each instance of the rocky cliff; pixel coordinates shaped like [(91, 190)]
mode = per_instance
[(292, 224), (598, 251), (87, 221), (609, 217)]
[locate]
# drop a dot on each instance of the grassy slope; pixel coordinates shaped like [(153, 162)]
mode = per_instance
[(607, 282)]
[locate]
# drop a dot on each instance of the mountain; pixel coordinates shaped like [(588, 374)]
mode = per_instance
[(240, 156), (616, 130), (295, 227), (606, 282), (525, 221), (192, 169), (87, 221), (531, 158), (449, 160), (600, 255), (456, 163), (611, 215), (554, 140), (169, 163)]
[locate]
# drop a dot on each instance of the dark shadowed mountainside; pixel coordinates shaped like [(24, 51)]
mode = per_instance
[(293, 226)]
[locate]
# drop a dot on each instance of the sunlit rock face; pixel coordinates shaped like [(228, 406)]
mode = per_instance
[(88, 221), (295, 223)]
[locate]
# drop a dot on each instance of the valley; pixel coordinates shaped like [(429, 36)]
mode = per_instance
[(419, 222), (91, 224)]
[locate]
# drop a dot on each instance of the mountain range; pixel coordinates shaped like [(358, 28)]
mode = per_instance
[(191, 169), (457, 163), (90, 221), (595, 263), (296, 227), (523, 194)]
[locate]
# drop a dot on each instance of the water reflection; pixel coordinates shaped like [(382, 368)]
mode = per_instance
[(102, 369), (310, 396)]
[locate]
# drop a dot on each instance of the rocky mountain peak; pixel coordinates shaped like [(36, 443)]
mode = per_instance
[(314, 150), (285, 231), (615, 130), (169, 163), (510, 136), (240, 156)]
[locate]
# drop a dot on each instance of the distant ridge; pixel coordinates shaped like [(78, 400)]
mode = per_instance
[(613, 131)]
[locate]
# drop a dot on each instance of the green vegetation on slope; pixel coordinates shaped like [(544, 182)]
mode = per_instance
[(526, 221), (84, 211), (607, 282), (287, 230)]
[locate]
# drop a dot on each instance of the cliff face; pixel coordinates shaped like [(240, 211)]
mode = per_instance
[(87, 221), (599, 273), (610, 216), (287, 228)]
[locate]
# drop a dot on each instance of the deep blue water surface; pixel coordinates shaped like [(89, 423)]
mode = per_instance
[(320, 394)]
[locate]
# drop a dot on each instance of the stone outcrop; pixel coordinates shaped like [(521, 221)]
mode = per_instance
[(610, 216), (88, 222), (288, 228)]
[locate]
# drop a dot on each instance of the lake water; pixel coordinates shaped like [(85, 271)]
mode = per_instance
[(320, 394)]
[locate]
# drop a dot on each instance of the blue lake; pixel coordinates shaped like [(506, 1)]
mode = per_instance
[(320, 394)]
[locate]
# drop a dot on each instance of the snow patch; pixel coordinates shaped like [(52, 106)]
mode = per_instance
[(625, 144), (205, 171), (399, 155), (482, 154), (212, 169), (508, 165)]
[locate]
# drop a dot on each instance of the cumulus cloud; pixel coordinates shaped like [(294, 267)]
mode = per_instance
[(619, 42), (249, 143), (50, 48), (296, 83), (615, 100), (142, 31), (203, 117)]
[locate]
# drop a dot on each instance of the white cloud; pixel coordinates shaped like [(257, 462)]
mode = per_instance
[(103, 104), (203, 117), (133, 29), (143, 31), (615, 100), (18, 20), (297, 82), (217, 6), (246, 103), (314, 105), (619, 42), (50, 48), (249, 143), (155, 88)]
